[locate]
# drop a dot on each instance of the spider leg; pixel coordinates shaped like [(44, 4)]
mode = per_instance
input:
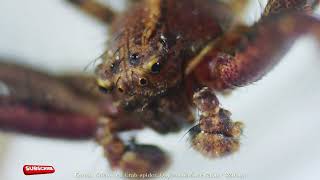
[(245, 54), (164, 115), (241, 56), (70, 107), (129, 157), (37, 103), (96, 9), (215, 135)]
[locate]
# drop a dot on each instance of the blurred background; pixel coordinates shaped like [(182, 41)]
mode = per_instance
[(281, 112)]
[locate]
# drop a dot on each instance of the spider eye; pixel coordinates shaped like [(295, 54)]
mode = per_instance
[(153, 65), (143, 82), (155, 68), (134, 59)]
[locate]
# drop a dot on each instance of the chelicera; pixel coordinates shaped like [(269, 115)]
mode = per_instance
[(164, 59)]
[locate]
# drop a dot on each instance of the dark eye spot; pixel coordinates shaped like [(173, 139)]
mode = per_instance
[(155, 68), (143, 82), (134, 59)]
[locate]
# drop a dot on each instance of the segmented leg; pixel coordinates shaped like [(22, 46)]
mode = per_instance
[(164, 115), (215, 135), (37, 103), (246, 54), (242, 56), (95, 9), (129, 157), (68, 106)]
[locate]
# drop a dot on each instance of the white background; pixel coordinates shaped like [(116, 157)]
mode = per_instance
[(281, 112)]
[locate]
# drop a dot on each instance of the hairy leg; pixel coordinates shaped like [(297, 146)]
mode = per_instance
[(38, 103), (130, 157), (71, 107), (245, 54), (241, 56), (95, 9), (215, 135), (164, 115)]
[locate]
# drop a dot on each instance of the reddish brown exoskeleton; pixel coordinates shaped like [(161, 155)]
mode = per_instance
[(164, 59)]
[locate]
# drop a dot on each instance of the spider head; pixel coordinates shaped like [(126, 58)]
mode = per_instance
[(139, 72)]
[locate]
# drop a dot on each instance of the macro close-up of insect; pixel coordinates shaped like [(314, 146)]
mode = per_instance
[(169, 67)]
